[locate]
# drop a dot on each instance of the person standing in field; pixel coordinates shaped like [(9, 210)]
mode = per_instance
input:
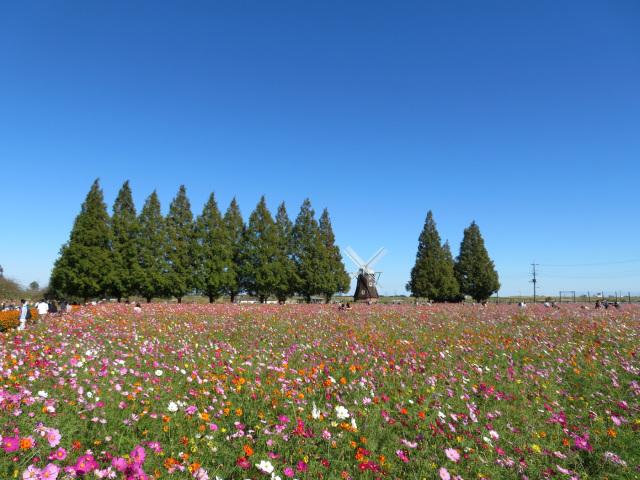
[(23, 315), (43, 307)]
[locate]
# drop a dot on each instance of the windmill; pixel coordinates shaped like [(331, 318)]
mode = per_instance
[(367, 284)]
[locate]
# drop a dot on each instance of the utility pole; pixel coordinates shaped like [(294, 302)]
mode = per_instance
[(534, 264)]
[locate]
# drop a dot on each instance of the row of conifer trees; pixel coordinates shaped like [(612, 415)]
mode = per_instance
[(149, 255), (438, 277)]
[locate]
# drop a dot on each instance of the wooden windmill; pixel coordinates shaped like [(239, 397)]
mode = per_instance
[(367, 279)]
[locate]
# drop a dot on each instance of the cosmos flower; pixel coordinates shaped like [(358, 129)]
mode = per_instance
[(452, 454)]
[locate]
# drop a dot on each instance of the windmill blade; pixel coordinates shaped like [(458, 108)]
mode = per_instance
[(354, 257), (376, 256)]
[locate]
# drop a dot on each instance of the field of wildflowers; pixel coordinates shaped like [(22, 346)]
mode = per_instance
[(308, 391)]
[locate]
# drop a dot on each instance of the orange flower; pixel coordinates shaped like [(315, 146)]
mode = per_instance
[(248, 450), (204, 416), (612, 433), (184, 440), (239, 411), (25, 444)]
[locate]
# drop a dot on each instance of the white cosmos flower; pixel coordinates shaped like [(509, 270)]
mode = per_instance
[(315, 413), (158, 373), (173, 407), (43, 394), (265, 466), (341, 412)]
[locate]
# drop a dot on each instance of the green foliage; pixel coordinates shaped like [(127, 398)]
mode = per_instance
[(307, 252), (336, 278), (432, 276), (212, 254), (180, 246), (284, 271), (233, 241), (259, 253), (9, 289), (151, 250), (124, 252), (474, 269), (84, 259)]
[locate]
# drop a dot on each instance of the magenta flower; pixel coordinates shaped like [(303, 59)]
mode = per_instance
[(289, 472), (10, 444), (60, 454), (583, 444)]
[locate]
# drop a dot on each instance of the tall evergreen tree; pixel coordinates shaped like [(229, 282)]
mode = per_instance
[(336, 278), (432, 275), (307, 251), (124, 227), (284, 267), (259, 253), (213, 256), (474, 269), (151, 250), (234, 236), (180, 246), (85, 260)]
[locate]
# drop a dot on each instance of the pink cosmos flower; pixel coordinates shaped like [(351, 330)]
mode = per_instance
[(60, 454), (32, 472), (452, 454), (289, 472), (302, 466), (50, 472), (11, 444), (53, 435), (444, 474), (583, 444), (402, 456)]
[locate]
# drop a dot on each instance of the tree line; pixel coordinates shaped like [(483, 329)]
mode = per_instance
[(149, 255), (438, 277)]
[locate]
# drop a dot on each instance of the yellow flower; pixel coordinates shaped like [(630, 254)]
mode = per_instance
[(536, 448)]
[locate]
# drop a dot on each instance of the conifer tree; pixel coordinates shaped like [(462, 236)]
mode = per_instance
[(234, 235), (307, 252), (85, 260), (124, 227), (151, 250), (474, 269), (181, 250), (213, 256), (284, 267), (432, 275), (336, 278), (259, 253)]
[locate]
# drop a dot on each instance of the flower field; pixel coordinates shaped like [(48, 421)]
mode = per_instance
[(308, 391)]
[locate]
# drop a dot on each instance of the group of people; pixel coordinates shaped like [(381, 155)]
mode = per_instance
[(43, 307), (606, 304)]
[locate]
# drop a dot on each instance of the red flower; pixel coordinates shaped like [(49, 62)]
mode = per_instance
[(325, 463)]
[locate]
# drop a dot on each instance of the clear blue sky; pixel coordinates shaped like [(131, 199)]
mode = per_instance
[(522, 116)]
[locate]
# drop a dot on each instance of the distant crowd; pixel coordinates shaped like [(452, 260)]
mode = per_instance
[(43, 307)]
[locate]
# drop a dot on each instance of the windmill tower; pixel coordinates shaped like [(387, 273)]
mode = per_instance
[(367, 280)]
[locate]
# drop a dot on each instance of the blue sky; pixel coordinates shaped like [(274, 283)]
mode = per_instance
[(521, 116)]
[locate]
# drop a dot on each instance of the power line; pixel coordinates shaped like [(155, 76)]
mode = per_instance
[(590, 264)]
